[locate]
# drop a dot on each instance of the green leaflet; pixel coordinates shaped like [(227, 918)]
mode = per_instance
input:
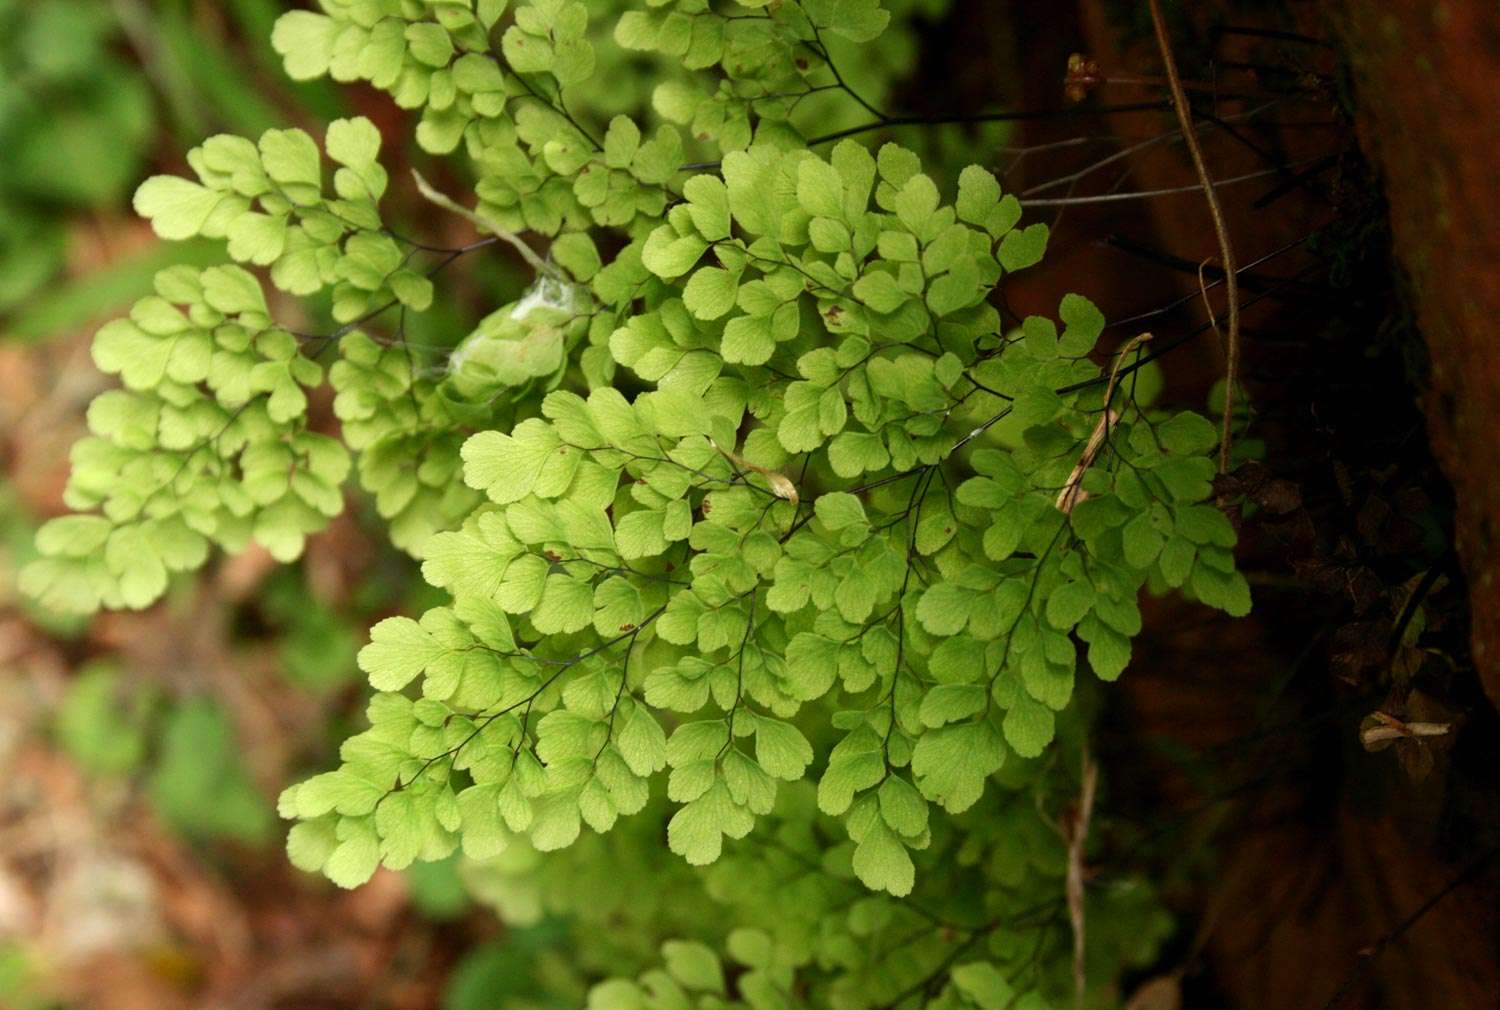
[(631, 538), (269, 201), (766, 528), (206, 444)]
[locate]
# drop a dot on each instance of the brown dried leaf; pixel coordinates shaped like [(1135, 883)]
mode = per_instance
[(781, 484), (1161, 993)]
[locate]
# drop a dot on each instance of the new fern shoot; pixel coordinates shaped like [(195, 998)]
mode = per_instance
[(773, 556)]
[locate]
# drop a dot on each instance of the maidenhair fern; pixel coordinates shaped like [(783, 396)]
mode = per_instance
[(751, 501)]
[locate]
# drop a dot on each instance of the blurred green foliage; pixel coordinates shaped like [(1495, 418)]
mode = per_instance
[(92, 92), (315, 645), (198, 784), (76, 118), (187, 752), (436, 889), (102, 725), (525, 971), (75, 122), (22, 986)]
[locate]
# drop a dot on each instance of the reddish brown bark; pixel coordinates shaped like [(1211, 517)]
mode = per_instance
[(1428, 80), (1312, 872)]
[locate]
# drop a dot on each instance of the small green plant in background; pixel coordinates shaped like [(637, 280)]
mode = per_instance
[(199, 785), (92, 92), (75, 124), (101, 728), (773, 556), (185, 752), (21, 980)]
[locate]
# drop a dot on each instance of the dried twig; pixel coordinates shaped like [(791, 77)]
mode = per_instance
[(1072, 491), (781, 484), (1148, 194), (1078, 835), (480, 221), (1226, 250), (1380, 729), (1208, 305)]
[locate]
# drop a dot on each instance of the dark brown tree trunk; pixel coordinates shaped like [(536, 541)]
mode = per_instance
[(1428, 85)]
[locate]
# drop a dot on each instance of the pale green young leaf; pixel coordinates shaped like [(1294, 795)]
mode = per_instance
[(1028, 727), (781, 749), (176, 208), (399, 650), (291, 159), (951, 764), (882, 862), (1023, 248), (305, 41), (710, 292), (353, 142), (429, 43)]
